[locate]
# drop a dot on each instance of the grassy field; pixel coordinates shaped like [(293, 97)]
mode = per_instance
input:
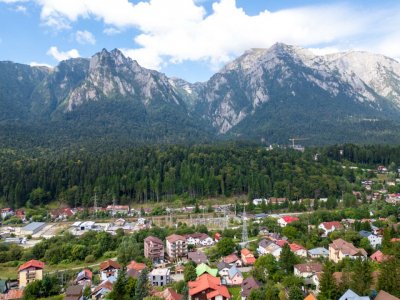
[(235, 292)]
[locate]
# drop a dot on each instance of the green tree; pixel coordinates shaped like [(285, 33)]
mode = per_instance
[(389, 276), (295, 293), (142, 285), (327, 286), (225, 246), (361, 282), (287, 259), (119, 288), (189, 273)]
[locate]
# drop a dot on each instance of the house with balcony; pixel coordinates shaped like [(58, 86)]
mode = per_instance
[(29, 272), (153, 248), (176, 246), (340, 249)]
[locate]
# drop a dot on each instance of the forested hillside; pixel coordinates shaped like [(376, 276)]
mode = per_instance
[(161, 174)]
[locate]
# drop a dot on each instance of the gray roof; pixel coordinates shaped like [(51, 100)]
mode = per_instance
[(222, 265), (318, 251), (33, 226), (198, 257), (233, 271), (350, 295), (365, 233), (264, 243)]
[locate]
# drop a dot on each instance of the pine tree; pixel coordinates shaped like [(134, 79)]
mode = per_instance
[(119, 288), (328, 288), (295, 293), (362, 279), (287, 259), (389, 277), (142, 290)]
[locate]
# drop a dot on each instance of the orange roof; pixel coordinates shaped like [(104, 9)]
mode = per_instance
[(31, 264), (296, 247), (169, 294), (14, 294), (136, 266), (329, 225), (246, 252), (310, 297), (205, 282), (109, 263), (250, 260)]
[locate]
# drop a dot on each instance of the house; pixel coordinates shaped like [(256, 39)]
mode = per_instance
[(153, 248), (61, 213), (223, 268), (208, 287), (203, 268), (309, 272), (235, 277), (176, 246), (32, 228), (169, 294), (350, 295), (30, 271), (118, 209), (133, 265), (283, 221), (379, 257), (74, 292), (382, 295), (6, 212), (199, 239), (198, 257), (373, 239), (249, 284), (318, 252), (247, 257), (298, 250), (233, 259), (20, 213), (329, 227), (340, 249), (88, 225), (160, 277), (84, 277), (109, 268), (259, 201), (102, 290), (277, 201), (268, 247)]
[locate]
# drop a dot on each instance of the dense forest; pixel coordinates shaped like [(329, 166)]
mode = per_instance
[(153, 173)]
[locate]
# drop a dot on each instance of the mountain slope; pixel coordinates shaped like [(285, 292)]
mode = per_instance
[(265, 94)]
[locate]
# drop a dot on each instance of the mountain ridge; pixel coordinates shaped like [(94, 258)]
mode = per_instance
[(265, 94)]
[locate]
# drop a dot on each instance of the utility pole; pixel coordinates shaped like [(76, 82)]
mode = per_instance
[(245, 234)]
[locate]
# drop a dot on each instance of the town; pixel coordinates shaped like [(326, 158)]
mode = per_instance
[(263, 248)]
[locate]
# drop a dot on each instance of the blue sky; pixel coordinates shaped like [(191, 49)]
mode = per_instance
[(191, 39)]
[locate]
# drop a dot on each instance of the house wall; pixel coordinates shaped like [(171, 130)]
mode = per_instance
[(29, 275)]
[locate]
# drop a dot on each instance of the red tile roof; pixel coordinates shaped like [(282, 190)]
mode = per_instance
[(289, 219), (281, 243), (136, 266), (169, 294), (14, 294), (231, 258), (382, 295), (246, 252), (309, 268), (206, 282), (109, 263), (330, 225), (295, 247), (31, 264), (378, 256), (174, 238)]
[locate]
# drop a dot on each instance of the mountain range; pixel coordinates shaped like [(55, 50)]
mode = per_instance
[(267, 95)]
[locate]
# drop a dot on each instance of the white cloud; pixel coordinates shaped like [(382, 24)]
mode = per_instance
[(13, 1), (85, 37), (21, 9), (111, 31), (37, 64), (178, 30), (60, 55)]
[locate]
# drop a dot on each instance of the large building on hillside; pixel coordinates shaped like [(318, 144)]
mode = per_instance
[(30, 271), (176, 246), (153, 248)]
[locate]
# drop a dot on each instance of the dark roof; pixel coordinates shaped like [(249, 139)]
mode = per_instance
[(198, 257), (74, 292), (248, 284), (153, 239), (222, 265)]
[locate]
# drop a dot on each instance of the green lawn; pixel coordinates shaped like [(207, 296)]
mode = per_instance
[(235, 292)]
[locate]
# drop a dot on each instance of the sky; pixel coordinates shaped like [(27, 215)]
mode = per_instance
[(192, 39)]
